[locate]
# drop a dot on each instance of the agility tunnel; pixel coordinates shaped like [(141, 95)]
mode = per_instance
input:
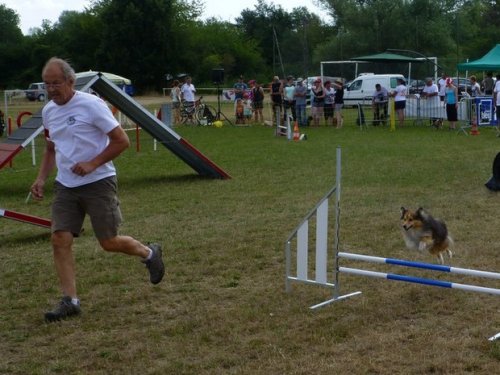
[(315, 266)]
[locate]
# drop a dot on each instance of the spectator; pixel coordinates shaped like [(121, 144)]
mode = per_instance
[(442, 86), (175, 95), (289, 98), (451, 100), (430, 94), (82, 148), (329, 103), (258, 102), (496, 97), (317, 101), (400, 100), (475, 89), (488, 84), (188, 92), (276, 97), (300, 95), (379, 104), (240, 111), (240, 88), (339, 102)]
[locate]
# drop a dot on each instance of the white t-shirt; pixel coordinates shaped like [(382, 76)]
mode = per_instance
[(400, 93), (431, 90), (188, 91), (79, 131), (329, 95), (289, 91), (442, 86), (497, 91)]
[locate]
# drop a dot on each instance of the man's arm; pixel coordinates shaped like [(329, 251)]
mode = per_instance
[(118, 142)]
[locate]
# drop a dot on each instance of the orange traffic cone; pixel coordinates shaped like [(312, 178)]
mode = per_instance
[(296, 132), (474, 130)]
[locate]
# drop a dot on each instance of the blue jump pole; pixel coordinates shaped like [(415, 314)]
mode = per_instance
[(419, 280), (428, 266)]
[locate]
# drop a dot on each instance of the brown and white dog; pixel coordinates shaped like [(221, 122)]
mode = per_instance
[(422, 232)]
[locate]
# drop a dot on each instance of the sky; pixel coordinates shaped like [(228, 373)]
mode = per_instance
[(32, 12)]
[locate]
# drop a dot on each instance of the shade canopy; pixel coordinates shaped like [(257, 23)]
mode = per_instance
[(387, 57), (490, 61)]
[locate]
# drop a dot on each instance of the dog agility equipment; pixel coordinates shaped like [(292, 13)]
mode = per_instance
[(323, 266), (24, 218)]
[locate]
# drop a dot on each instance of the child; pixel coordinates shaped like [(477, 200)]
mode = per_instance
[(240, 112), (247, 108)]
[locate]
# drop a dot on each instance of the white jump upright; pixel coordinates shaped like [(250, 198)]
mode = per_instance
[(300, 236)]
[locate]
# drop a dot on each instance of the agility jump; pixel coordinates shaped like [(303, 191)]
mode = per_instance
[(322, 263)]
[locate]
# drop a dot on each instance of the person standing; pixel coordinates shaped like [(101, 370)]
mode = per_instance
[(451, 101), (188, 92), (339, 102), (317, 101), (442, 86), (488, 84), (329, 103), (379, 104), (240, 88), (475, 89), (400, 100), (82, 139), (258, 102), (496, 98), (175, 95), (430, 94), (300, 95), (276, 97), (289, 98)]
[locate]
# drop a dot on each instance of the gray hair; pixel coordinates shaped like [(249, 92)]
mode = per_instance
[(66, 68)]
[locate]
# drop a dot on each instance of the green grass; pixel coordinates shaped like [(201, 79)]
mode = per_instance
[(222, 308)]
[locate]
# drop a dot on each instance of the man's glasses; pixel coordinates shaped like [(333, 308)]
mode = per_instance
[(54, 85)]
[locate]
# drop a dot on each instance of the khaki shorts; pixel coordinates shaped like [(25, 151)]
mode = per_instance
[(97, 199)]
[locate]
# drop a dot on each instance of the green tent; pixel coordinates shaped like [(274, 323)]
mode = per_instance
[(490, 61), (387, 57)]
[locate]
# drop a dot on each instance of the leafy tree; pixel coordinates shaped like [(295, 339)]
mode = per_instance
[(217, 44), (136, 38), (12, 54)]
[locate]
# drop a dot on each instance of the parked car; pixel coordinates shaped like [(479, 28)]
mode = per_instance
[(36, 91), (360, 91), (416, 86), (463, 84)]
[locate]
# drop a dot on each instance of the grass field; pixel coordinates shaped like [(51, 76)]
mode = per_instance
[(222, 307)]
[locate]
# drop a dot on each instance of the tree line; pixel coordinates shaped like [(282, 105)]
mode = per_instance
[(149, 41)]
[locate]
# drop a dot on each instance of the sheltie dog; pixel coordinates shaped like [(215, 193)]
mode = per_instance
[(422, 232)]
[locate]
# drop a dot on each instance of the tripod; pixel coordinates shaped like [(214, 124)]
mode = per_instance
[(219, 112)]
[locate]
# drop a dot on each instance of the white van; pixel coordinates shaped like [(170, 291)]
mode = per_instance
[(362, 88)]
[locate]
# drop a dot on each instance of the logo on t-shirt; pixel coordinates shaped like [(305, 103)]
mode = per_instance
[(71, 120)]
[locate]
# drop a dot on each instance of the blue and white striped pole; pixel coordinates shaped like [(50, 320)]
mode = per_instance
[(419, 280), (428, 266)]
